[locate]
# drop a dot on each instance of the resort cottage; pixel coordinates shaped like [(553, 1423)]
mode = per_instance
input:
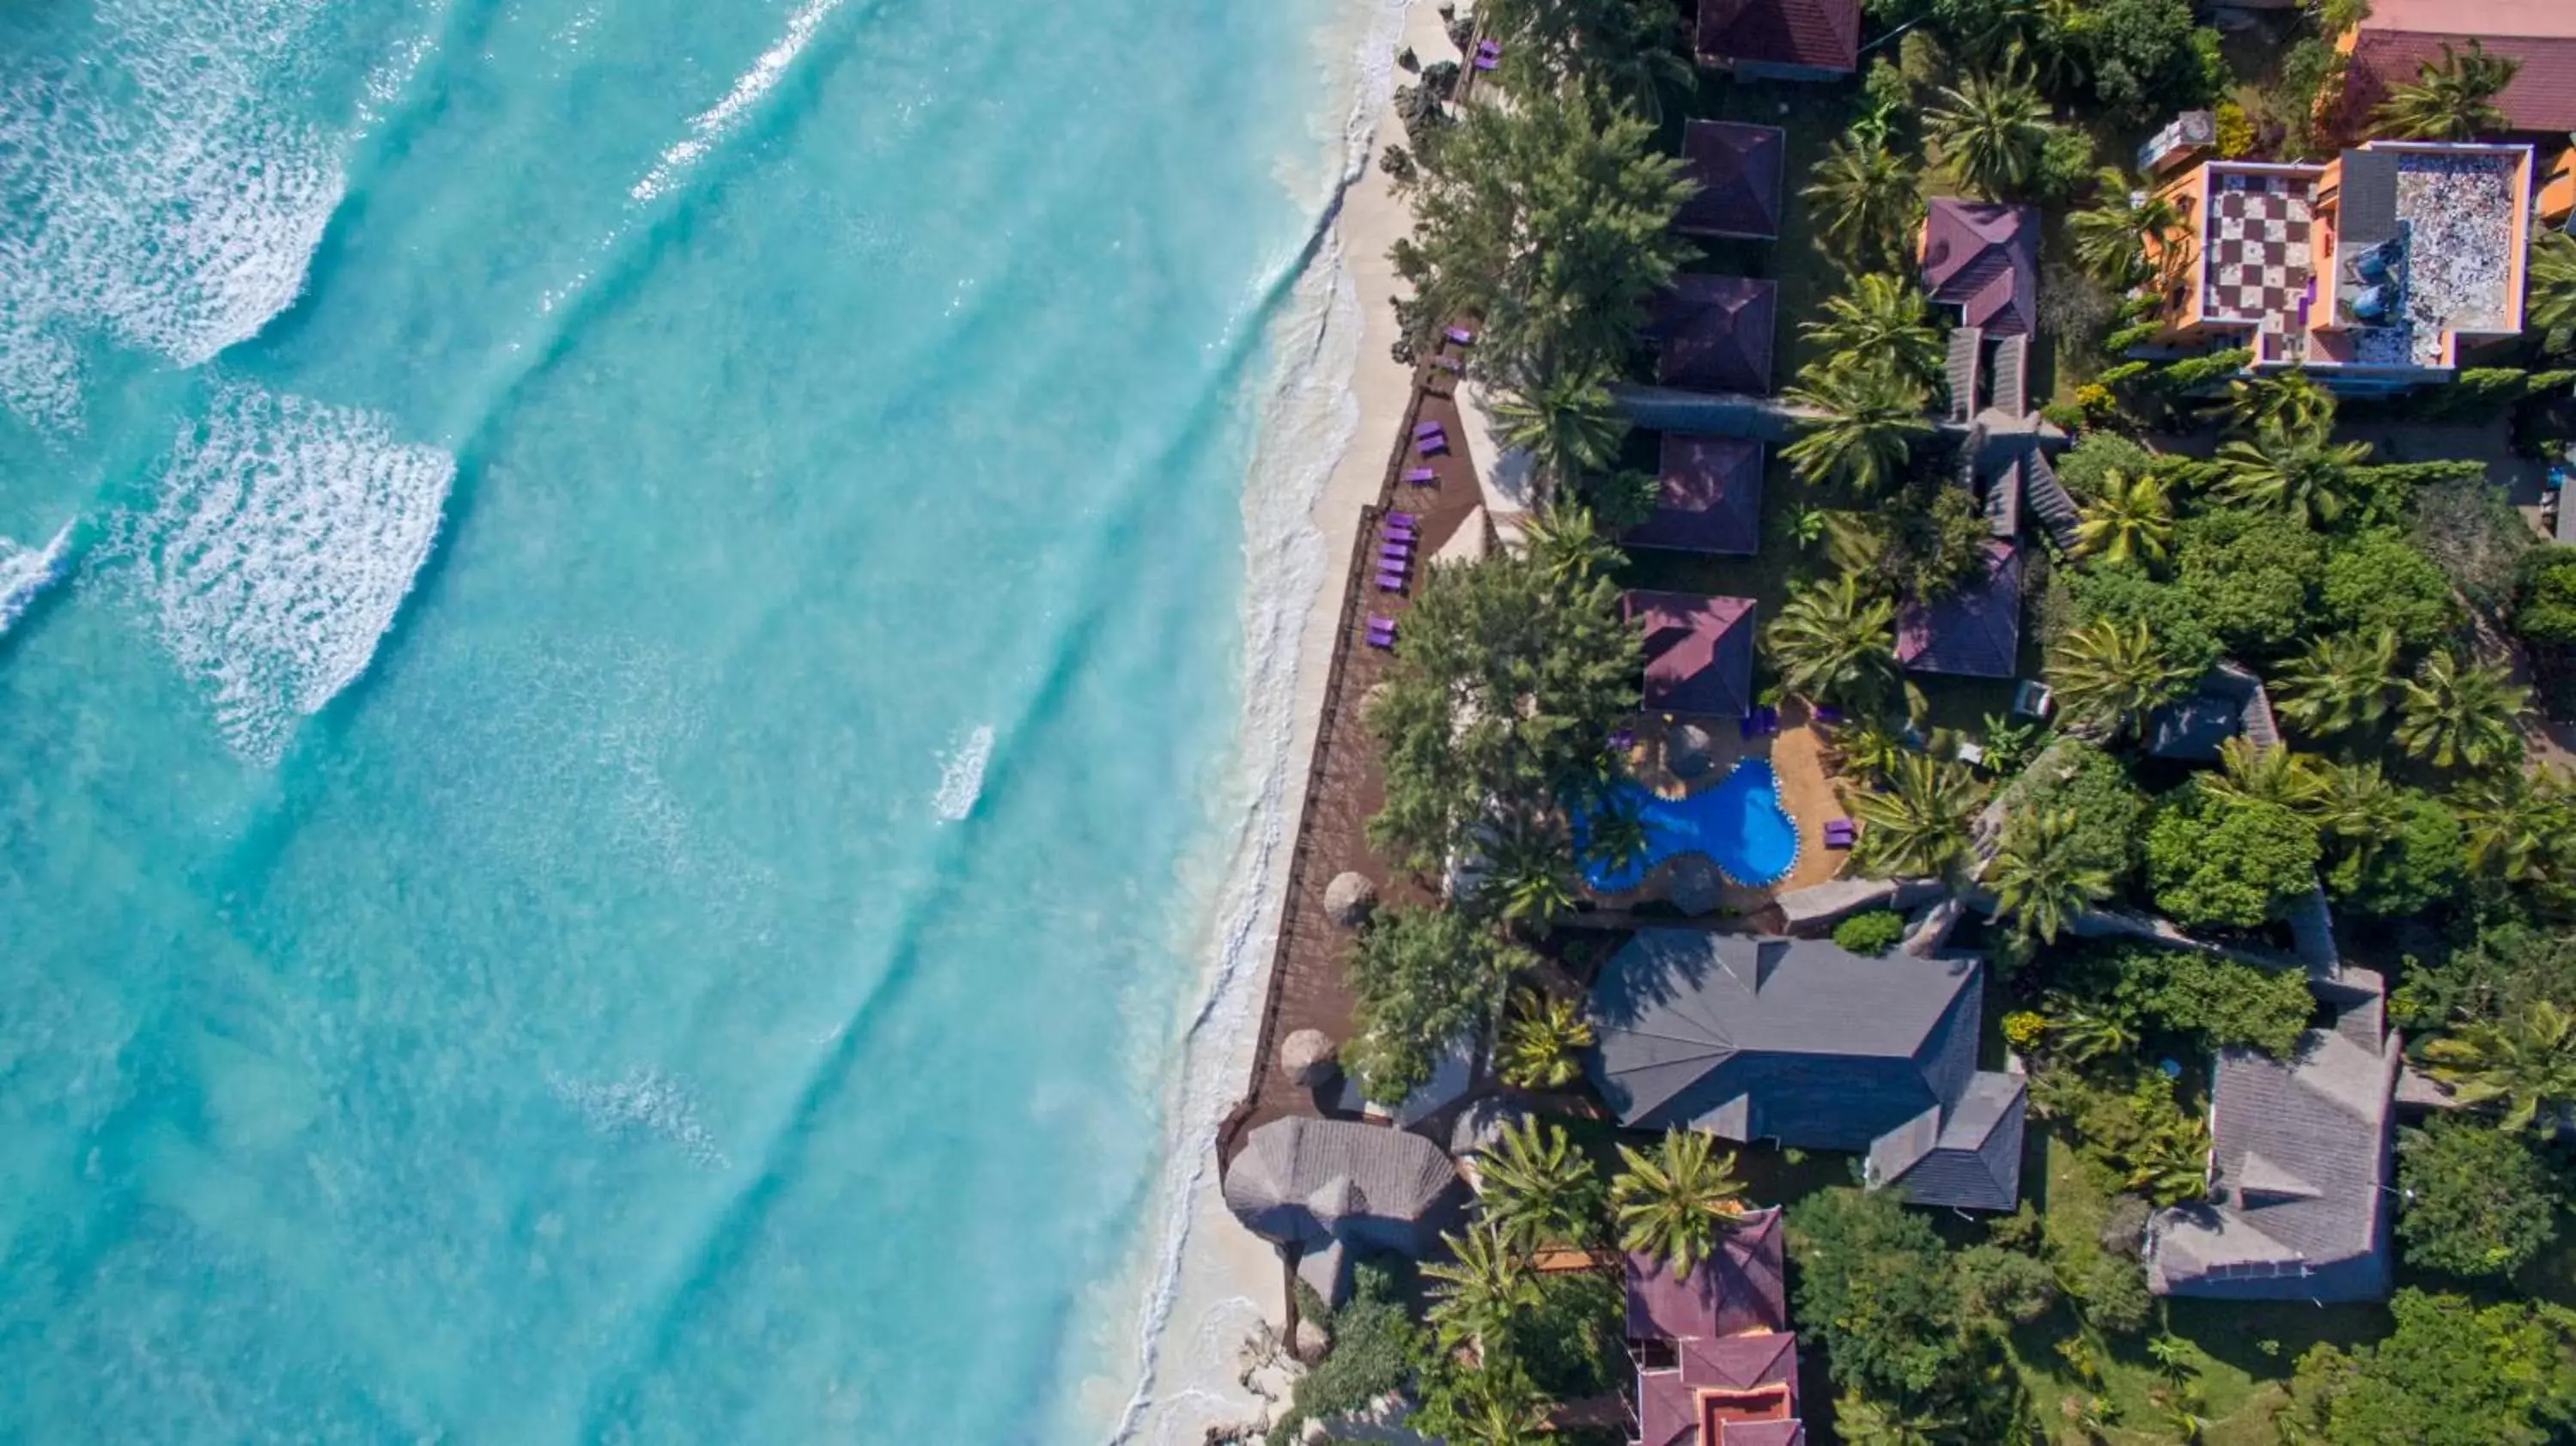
[(1802, 1042), (1716, 1364)]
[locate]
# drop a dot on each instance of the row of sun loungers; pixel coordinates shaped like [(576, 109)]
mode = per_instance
[(1395, 554), (1841, 833), (1431, 439), (1381, 632)]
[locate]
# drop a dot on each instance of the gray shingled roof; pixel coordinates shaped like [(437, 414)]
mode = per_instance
[(2298, 1207), (1802, 1041), (1325, 1188)]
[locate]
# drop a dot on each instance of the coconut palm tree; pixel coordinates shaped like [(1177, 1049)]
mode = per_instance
[(1832, 641), (1991, 129), (1476, 1292), (2461, 714), (1881, 316), (2297, 472), (2516, 822), (2254, 774), (2343, 681), (2041, 884), (1869, 413), (1614, 835), (2452, 99), (1865, 201), (2549, 288), (2356, 803), (1922, 821), (1644, 61), (1540, 1040), (1563, 419), (1869, 1421), (1569, 546), (1535, 1187), (1674, 1202), (2287, 400), (2110, 675), (1528, 874), (2133, 517), (2112, 236), (2086, 1035), (2526, 1063)]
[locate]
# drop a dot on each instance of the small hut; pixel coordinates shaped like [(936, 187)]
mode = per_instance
[(1324, 1190)]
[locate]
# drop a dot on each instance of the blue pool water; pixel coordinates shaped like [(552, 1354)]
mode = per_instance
[(635, 655), (1739, 825)]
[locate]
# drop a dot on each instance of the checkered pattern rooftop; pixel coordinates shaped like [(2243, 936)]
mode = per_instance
[(2256, 249)]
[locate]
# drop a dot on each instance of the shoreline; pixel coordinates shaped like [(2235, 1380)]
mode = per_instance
[(1215, 1286)]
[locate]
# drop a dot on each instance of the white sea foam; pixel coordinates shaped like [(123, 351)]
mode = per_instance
[(157, 195), (961, 776), (26, 572), (644, 1101), (1308, 419), (285, 537), (710, 126)]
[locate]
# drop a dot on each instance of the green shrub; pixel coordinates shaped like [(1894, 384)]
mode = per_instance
[(2065, 416), (2544, 607), (2194, 373), (2477, 1200), (2378, 579), (2415, 862), (1874, 931), (2229, 863), (1374, 1349), (2085, 465), (2126, 595), (2221, 1002), (2127, 371), (2126, 337), (2247, 577), (2079, 779)]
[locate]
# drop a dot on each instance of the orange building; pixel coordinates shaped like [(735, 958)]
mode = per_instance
[(2377, 271)]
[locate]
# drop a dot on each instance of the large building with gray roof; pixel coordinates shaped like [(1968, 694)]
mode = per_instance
[(2299, 1164), (1803, 1042)]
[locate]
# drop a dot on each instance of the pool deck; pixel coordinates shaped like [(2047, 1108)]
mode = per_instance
[(1797, 757)]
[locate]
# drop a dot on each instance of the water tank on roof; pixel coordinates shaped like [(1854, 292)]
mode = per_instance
[(2370, 303), (2372, 265)]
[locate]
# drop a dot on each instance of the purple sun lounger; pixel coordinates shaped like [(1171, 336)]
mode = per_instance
[(1421, 476), (1461, 335), (1401, 519), (1431, 446), (1428, 429)]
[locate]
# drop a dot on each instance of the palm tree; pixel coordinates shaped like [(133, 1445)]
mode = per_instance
[(1869, 1421), (2515, 822), (1832, 641), (1991, 129), (2112, 236), (1528, 872), (2343, 681), (2086, 1035), (2254, 774), (2132, 518), (1501, 1408), (1614, 835), (2171, 1166), (2110, 676), (2294, 471), (2460, 714), (1568, 545), (2041, 883), (1539, 1042), (2549, 288), (1535, 1187), (1480, 1288), (1563, 420), (1881, 316), (1865, 200), (1922, 821), (2452, 99), (2286, 400), (1869, 413), (2526, 1063), (2356, 804), (1674, 1202)]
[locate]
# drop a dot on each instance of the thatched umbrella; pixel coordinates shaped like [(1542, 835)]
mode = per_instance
[(1349, 898), (1688, 750), (1308, 1058)]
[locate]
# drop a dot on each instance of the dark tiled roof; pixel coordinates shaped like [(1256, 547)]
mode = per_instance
[(2301, 1151), (1699, 651), (1970, 1159), (1737, 168), (1716, 333), (1983, 258), (2191, 728), (1808, 34), (1740, 1288), (1975, 632), (2542, 97), (1711, 497)]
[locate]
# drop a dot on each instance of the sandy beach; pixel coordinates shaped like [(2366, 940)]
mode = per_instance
[(1226, 1292)]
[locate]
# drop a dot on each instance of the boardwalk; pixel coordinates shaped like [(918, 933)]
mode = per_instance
[(1308, 989)]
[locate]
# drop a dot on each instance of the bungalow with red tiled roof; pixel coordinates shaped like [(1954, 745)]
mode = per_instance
[(1737, 169), (1714, 333), (2390, 46), (1982, 258), (1780, 39), (1975, 632), (1716, 1364), (1699, 651), (1708, 497)]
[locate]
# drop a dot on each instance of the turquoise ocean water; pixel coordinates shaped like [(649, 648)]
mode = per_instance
[(626, 647)]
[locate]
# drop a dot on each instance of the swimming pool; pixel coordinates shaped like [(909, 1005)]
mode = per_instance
[(1738, 826)]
